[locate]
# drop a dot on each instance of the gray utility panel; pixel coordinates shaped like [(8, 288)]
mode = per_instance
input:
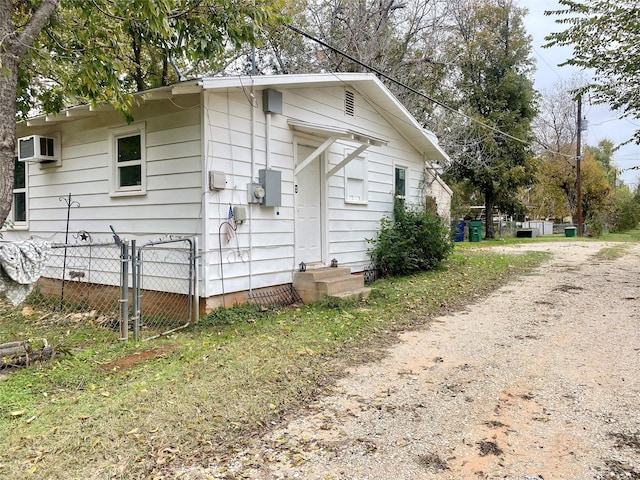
[(271, 181)]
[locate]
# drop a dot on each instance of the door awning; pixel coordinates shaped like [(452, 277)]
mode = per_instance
[(331, 135)]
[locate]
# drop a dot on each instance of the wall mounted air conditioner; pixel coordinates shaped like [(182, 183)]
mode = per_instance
[(39, 149)]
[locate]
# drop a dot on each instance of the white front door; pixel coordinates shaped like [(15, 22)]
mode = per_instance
[(308, 188)]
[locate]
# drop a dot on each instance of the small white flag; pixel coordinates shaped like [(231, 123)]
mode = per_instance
[(231, 226)]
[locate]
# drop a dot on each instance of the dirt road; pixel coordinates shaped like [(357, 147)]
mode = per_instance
[(540, 380)]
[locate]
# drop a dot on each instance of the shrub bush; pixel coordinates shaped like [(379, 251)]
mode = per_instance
[(414, 240), (626, 215), (595, 225)]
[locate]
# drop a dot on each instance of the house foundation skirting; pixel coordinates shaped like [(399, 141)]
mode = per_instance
[(283, 294)]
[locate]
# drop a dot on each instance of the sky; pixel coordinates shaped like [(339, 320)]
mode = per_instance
[(603, 123)]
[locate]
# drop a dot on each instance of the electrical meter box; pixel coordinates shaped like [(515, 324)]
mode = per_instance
[(271, 181)]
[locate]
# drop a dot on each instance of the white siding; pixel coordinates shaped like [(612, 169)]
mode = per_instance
[(350, 225), (172, 202), (263, 252)]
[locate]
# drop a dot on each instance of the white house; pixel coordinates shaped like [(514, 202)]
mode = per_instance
[(309, 164)]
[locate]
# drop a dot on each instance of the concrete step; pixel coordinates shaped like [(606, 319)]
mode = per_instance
[(318, 283), (330, 286), (323, 272), (308, 279), (358, 294)]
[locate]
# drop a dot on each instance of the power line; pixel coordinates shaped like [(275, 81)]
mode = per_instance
[(413, 90), (404, 85), (546, 63)]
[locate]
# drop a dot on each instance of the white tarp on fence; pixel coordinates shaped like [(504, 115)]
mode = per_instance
[(22, 264)]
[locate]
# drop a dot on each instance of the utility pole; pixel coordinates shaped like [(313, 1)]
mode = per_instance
[(578, 161)]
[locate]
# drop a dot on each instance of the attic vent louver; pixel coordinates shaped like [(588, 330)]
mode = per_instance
[(349, 103)]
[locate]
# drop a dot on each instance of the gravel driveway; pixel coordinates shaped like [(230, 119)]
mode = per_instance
[(540, 380)]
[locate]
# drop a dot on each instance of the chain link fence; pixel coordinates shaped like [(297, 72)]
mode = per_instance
[(110, 289), (79, 287)]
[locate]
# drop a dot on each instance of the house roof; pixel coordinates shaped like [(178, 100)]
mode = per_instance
[(366, 84)]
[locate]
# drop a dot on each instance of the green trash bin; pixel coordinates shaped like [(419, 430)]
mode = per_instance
[(570, 231), (475, 231)]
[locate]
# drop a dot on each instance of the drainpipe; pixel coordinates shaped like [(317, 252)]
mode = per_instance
[(253, 176)]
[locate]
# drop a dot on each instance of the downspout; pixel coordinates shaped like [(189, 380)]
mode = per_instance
[(253, 176), (204, 199)]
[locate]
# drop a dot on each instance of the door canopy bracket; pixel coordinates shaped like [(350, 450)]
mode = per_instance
[(331, 135)]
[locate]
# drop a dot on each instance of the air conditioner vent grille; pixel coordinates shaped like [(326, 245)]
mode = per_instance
[(39, 149)]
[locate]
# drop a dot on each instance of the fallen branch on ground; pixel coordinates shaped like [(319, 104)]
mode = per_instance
[(22, 353)]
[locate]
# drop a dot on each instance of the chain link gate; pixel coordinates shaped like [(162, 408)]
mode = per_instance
[(114, 287), (164, 287), (80, 287)]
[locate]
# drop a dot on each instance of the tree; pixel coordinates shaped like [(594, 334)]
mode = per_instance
[(554, 195), (555, 125), (595, 189), (605, 36), (400, 38), (15, 42), (492, 54), (603, 153), (625, 210), (57, 53)]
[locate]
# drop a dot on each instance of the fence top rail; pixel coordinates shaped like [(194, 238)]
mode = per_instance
[(151, 243), (95, 244)]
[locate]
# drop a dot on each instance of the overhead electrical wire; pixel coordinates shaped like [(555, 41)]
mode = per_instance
[(546, 63), (417, 92)]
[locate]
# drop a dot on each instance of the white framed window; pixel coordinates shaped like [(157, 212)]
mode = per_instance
[(400, 181), (128, 156), (356, 180), (19, 209)]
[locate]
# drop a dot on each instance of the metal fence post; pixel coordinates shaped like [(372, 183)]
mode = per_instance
[(196, 292), (135, 266), (124, 290)]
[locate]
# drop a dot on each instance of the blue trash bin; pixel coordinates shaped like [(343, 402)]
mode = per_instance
[(458, 233)]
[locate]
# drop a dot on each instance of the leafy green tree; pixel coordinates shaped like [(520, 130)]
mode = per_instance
[(59, 52), (603, 154), (605, 35), (595, 189), (492, 54), (19, 29), (554, 194), (624, 210)]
